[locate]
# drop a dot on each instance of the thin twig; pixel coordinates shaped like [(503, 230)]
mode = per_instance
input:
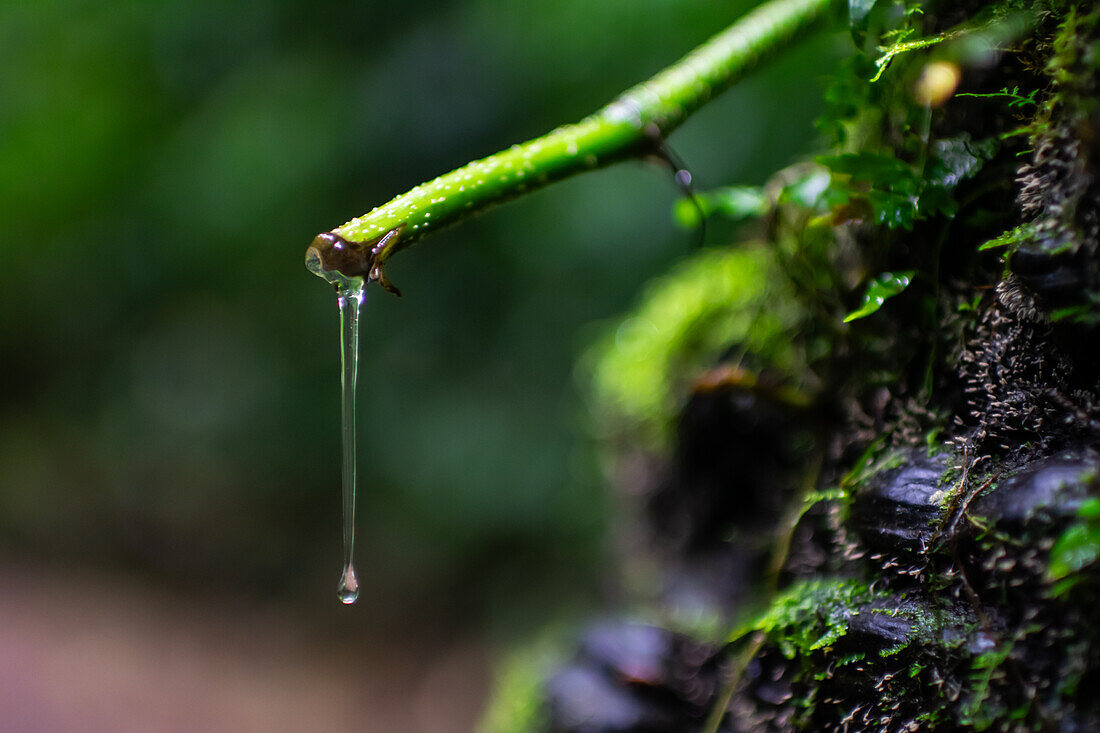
[(621, 130), (732, 681)]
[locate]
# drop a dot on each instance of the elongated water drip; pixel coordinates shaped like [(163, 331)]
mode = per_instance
[(349, 296)]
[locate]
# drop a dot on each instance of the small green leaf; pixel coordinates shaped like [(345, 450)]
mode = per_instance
[(739, 202), (858, 10), (1072, 313), (1089, 509), (883, 171), (809, 192), (901, 46), (1086, 314), (735, 203), (690, 213), (1015, 99), (936, 201), (1010, 238), (959, 158), (972, 306), (1002, 241), (894, 210), (874, 17), (1076, 548), (885, 286)]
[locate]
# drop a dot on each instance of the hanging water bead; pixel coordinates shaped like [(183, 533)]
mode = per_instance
[(332, 250)]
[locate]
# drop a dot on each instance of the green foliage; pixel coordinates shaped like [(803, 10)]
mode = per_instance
[(735, 203), (1015, 99), (996, 27), (807, 187), (901, 45), (984, 670), (685, 323), (874, 460), (879, 290), (896, 193), (517, 702), (858, 10), (1010, 239), (889, 186), (1071, 46), (1087, 313), (1077, 548), (872, 21), (957, 159), (809, 190)]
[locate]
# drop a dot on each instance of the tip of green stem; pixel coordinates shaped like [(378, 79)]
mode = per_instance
[(338, 280)]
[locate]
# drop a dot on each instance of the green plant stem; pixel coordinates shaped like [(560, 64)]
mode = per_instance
[(731, 681), (631, 125)]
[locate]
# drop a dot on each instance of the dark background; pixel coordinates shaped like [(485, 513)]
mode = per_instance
[(169, 420)]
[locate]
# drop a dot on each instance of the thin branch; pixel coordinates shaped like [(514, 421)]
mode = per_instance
[(625, 128), (732, 681)]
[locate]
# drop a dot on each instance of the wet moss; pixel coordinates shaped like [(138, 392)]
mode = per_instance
[(715, 307), (942, 568), (812, 614)]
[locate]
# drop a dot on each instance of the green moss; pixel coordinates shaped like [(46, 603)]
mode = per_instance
[(684, 325), (813, 498), (984, 670), (811, 615), (807, 620), (885, 201), (1072, 49), (875, 459)]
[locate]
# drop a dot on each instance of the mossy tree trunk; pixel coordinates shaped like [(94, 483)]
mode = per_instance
[(889, 435)]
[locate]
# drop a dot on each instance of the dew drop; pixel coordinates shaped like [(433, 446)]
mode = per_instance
[(348, 590), (349, 298)]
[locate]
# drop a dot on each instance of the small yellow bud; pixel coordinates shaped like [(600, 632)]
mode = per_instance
[(937, 82)]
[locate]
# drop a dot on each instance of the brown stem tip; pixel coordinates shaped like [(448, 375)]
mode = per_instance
[(330, 255)]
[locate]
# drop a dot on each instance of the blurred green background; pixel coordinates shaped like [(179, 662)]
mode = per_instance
[(169, 411)]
